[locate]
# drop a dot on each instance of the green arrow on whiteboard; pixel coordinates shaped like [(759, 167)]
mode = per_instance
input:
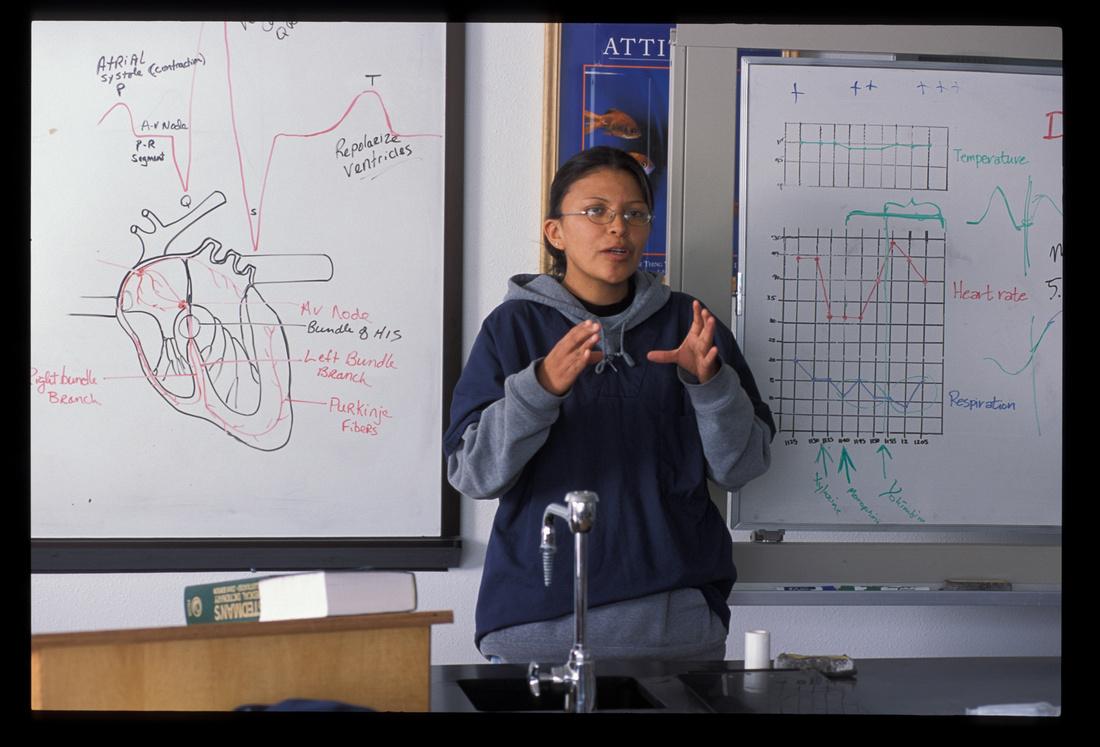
[(822, 455), (885, 453), (846, 464)]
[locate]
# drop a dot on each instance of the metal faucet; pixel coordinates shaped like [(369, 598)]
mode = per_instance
[(577, 677)]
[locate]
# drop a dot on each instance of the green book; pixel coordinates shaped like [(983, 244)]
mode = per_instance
[(298, 596)]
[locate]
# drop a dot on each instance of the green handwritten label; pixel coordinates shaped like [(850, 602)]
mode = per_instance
[(863, 506), (893, 493), (990, 159), (821, 487)]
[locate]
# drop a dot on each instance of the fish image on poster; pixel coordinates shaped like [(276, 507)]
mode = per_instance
[(614, 122)]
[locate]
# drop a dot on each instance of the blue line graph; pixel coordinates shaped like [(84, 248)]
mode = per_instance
[(876, 393)]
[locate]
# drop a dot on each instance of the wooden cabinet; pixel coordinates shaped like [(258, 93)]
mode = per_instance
[(379, 661)]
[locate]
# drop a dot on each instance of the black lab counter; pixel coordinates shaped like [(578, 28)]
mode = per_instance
[(940, 687)]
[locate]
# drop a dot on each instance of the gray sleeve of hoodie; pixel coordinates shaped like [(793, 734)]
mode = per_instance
[(495, 450), (736, 443)]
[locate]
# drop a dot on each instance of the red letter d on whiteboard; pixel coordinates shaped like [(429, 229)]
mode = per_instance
[(1052, 118)]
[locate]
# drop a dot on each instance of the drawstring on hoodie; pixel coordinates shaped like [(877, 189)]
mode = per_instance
[(608, 358), (650, 296)]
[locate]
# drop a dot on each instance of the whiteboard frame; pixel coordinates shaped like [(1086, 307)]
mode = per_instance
[(1034, 532), (159, 554), (702, 132)]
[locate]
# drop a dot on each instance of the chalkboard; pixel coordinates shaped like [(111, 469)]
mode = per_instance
[(238, 279), (902, 297)]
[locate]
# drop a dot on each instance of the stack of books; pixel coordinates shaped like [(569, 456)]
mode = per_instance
[(299, 596)]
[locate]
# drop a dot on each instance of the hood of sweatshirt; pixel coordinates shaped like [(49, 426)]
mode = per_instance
[(650, 295)]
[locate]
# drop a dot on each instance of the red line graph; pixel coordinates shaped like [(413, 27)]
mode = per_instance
[(874, 287), (184, 178)]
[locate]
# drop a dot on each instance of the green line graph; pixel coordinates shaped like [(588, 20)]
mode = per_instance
[(1029, 211), (1032, 351), (846, 146), (921, 211), (865, 156)]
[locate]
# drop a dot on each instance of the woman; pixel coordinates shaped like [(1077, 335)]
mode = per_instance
[(598, 377)]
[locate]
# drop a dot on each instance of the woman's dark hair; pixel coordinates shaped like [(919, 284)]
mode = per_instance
[(578, 167)]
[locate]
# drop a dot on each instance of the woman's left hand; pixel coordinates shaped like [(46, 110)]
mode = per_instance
[(697, 354)]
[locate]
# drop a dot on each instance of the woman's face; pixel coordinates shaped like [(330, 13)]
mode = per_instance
[(599, 258)]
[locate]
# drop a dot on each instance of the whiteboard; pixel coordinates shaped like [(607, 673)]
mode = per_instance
[(236, 279), (902, 292)]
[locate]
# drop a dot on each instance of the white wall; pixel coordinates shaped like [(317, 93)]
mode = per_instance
[(502, 215)]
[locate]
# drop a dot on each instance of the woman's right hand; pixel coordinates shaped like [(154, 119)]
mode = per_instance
[(573, 353)]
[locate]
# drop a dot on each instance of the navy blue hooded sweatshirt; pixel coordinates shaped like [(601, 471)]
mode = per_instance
[(644, 436)]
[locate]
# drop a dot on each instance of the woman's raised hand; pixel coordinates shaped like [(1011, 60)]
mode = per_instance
[(573, 353), (697, 354)]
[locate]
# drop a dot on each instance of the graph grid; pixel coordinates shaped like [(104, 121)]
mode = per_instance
[(861, 333), (868, 156)]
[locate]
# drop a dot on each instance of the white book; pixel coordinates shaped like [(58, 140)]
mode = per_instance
[(328, 593)]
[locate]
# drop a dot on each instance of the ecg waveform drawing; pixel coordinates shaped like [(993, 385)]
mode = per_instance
[(861, 333), (184, 174), (865, 156), (1028, 211)]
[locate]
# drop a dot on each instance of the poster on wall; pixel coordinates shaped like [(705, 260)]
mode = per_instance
[(614, 90)]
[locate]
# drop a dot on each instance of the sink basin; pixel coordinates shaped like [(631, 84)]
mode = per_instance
[(773, 691), (513, 694)]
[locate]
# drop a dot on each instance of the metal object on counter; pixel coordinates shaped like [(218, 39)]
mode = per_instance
[(577, 677), (830, 665)]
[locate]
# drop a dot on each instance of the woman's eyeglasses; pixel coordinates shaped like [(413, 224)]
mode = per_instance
[(601, 215)]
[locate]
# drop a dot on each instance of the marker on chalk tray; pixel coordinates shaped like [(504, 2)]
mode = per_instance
[(969, 584), (888, 587), (855, 587)]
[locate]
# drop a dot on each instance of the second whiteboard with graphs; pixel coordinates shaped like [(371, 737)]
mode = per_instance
[(902, 292)]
